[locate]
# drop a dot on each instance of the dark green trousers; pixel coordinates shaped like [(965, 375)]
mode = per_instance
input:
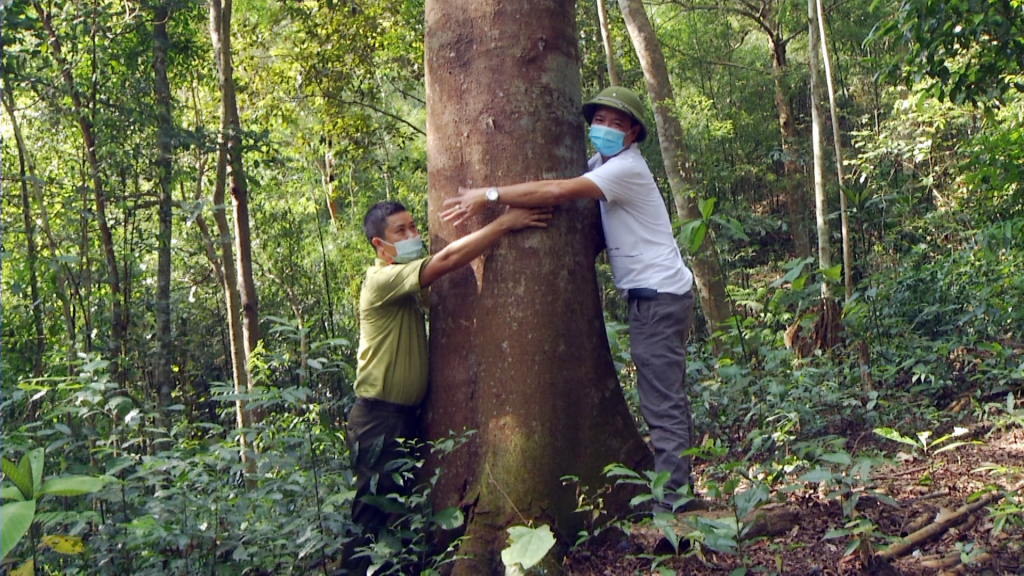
[(374, 430)]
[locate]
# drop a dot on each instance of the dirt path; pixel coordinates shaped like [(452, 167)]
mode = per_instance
[(927, 490)]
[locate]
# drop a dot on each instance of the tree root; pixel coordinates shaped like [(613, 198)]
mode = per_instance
[(936, 528), (951, 560)]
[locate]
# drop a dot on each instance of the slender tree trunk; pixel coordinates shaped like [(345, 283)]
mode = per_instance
[(115, 347), (837, 142), (327, 178), (518, 345), (820, 199), (231, 133), (233, 301), (32, 255), (794, 190), (164, 169), (609, 54), (707, 272)]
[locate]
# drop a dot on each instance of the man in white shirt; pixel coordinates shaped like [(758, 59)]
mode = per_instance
[(646, 264)]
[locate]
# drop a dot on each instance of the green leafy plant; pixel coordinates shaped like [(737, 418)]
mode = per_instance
[(848, 481), (923, 442), (527, 546), (28, 487), (1010, 415), (409, 542)]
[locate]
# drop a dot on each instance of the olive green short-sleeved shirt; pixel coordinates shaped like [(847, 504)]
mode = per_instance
[(392, 334)]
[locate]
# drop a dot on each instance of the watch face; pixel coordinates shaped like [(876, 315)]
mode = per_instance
[(492, 194)]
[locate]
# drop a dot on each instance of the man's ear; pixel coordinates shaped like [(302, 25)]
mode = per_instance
[(634, 132)]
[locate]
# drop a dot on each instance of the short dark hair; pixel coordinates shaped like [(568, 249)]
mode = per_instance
[(375, 223)]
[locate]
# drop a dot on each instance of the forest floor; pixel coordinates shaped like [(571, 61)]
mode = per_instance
[(927, 490)]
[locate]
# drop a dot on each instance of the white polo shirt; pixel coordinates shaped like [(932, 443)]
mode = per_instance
[(637, 231)]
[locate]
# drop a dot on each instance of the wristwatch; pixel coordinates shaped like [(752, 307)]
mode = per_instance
[(491, 194)]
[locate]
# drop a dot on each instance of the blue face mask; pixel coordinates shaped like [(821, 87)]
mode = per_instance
[(407, 250), (607, 141)]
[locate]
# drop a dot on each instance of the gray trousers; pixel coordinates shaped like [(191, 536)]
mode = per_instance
[(658, 328)]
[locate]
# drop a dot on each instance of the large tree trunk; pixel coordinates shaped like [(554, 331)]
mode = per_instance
[(162, 307), (32, 255), (518, 346), (707, 271), (115, 346), (787, 128), (219, 33)]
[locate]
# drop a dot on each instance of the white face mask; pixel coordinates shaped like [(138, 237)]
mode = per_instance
[(407, 250)]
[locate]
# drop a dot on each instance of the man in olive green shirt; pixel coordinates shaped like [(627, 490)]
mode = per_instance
[(391, 377)]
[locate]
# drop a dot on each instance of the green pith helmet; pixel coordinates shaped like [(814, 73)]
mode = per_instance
[(621, 99)]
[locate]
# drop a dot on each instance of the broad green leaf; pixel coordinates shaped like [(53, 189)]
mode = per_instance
[(749, 499), (794, 272), (836, 533), (707, 207), (15, 475), (25, 467), (450, 518), (26, 569), (658, 485), (741, 571), (816, 475), (527, 545), (833, 273), (638, 499), (11, 493), (15, 519), (664, 521), (895, 436), (850, 504), (837, 458), (734, 226), (888, 500), (72, 485), (851, 547), (698, 237), (386, 504), (63, 544), (35, 460), (955, 445)]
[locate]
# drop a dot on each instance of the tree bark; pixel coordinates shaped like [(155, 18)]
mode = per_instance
[(606, 39), (820, 199), (115, 346), (165, 130), (707, 271), (837, 142), (240, 352), (231, 133), (787, 128), (517, 340), (32, 254)]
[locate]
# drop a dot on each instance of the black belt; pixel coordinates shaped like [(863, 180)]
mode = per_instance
[(384, 406), (642, 293)]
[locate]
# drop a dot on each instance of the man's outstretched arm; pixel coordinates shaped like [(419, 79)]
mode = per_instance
[(462, 251), (472, 201)]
